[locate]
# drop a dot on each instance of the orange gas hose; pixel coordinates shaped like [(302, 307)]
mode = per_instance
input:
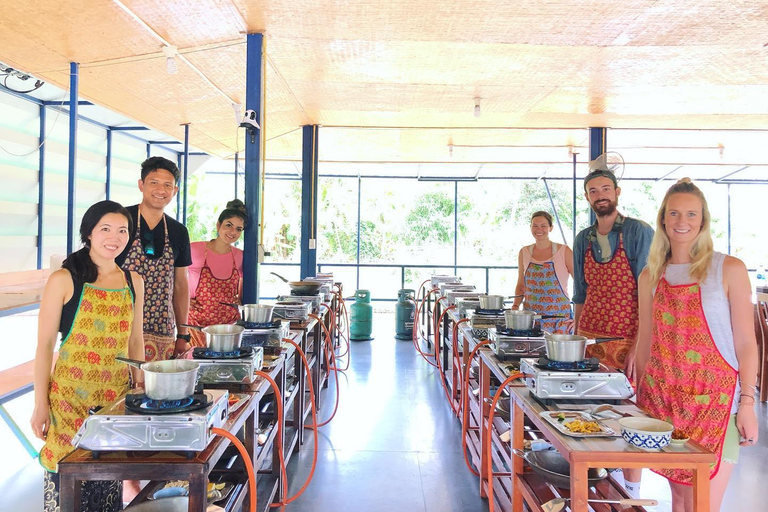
[(330, 362), (416, 333), (440, 366), (314, 421), (280, 449), (457, 361), (489, 452), (246, 460), (465, 401)]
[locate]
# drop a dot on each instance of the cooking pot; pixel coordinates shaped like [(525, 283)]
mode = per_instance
[(167, 380), (552, 467), (307, 287), (569, 348), (523, 320), (253, 313), (221, 337), (491, 301)]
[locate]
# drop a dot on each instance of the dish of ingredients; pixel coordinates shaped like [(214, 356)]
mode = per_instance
[(576, 424)]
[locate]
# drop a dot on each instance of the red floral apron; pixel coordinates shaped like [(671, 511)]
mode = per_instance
[(610, 309), (158, 274), (545, 295), (206, 308), (687, 381)]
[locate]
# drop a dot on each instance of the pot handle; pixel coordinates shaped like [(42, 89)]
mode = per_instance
[(236, 306), (281, 277), (602, 340), (133, 362), (197, 327)]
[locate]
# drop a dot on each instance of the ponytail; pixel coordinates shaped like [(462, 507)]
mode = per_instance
[(81, 266)]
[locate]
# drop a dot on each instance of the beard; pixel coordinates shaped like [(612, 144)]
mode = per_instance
[(605, 209)]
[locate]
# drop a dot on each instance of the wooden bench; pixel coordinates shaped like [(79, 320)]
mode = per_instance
[(21, 291)]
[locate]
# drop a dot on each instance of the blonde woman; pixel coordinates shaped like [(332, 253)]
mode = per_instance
[(696, 351)]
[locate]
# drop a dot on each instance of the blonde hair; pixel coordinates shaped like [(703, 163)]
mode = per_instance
[(702, 247)]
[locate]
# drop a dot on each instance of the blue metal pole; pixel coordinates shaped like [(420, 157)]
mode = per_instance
[(74, 69), (309, 202), (598, 142), (237, 163), (149, 149), (252, 190), (108, 181), (186, 175), (178, 196), (41, 188), (359, 195)]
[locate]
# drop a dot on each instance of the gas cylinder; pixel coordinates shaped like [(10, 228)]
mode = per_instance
[(404, 313), (361, 317)]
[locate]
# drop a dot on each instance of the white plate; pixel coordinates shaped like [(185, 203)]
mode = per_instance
[(552, 418)]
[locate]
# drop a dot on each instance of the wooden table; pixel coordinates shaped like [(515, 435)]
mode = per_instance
[(611, 452), (134, 465)]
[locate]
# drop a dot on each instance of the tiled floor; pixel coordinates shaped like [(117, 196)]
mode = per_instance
[(395, 446)]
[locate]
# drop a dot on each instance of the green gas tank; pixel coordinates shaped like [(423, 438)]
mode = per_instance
[(405, 309), (361, 317)]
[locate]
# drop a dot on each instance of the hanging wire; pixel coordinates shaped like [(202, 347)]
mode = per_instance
[(53, 125)]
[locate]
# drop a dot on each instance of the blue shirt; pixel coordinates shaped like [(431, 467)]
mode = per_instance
[(637, 243)]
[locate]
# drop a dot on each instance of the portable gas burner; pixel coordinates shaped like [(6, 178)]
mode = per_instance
[(586, 380), (265, 335), (313, 300), (483, 321), (451, 296), (293, 310), (466, 304), (513, 344), (438, 279), (135, 422), (237, 366)]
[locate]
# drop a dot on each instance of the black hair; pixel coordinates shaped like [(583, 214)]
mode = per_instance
[(79, 263), (154, 163), (235, 208), (542, 213)]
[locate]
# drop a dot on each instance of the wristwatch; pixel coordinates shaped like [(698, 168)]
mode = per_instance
[(185, 337)]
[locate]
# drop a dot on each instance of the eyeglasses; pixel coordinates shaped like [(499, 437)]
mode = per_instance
[(149, 243)]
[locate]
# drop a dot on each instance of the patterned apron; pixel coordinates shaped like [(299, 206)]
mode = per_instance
[(206, 308), (687, 382), (545, 295), (87, 375), (610, 309), (159, 319)]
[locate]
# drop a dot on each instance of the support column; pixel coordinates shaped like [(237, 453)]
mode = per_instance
[(108, 177), (252, 162), (598, 144), (185, 175), (309, 160), (41, 187), (74, 70)]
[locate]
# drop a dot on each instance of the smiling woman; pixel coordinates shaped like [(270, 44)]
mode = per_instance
[(215, 276)]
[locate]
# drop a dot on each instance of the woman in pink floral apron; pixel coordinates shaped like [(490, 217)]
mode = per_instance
[(215, 276), (696, 352), (97, 307), (543, 272)]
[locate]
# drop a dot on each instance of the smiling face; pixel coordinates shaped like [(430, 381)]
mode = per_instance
[(603, 195), (158, 189), (540, 228), (683, 218), (110, 236), (230, 230)]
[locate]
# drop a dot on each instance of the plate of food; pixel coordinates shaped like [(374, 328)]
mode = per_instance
[(236, 401), (576, 424)]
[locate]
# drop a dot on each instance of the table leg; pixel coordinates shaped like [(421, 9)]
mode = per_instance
[(579, 486), (198, 491), (485, 381), (69, 492), (701, 488), (518, 428)]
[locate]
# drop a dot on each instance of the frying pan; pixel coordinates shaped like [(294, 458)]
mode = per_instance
[(552, 467), (302, 287)]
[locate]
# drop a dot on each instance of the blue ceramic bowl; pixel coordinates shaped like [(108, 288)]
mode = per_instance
[(646, 433)]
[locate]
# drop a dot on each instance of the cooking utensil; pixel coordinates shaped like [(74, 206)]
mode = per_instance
[(307, 287), (552, 467), (523, 320), (569, 348), (167, 380), (558, 504), (252, 313), (221, 337), (491, 302)]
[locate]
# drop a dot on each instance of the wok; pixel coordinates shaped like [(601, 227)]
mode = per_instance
[(552, 467), (167, 380), (302, 287)]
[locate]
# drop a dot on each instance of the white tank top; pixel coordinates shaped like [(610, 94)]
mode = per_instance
[(717, 309)]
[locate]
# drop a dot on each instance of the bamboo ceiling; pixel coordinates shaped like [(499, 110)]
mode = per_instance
[(372, 73)]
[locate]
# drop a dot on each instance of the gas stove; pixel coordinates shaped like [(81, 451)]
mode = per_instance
[(313, 300), (438, 279), (237, 367), (510, 344), (293, 310), (265, 335), (598, 382), (466, 304), (483, 321), (459, 287), (116, 428), (452, 296)]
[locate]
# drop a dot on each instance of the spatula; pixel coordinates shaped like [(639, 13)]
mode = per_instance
[(558, 504)]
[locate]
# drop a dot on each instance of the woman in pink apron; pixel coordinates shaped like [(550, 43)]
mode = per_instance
[(543, 272), (97, 307), (696, 351), (215, 276)]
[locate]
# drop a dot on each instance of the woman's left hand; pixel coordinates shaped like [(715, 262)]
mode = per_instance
[(746, 422)]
